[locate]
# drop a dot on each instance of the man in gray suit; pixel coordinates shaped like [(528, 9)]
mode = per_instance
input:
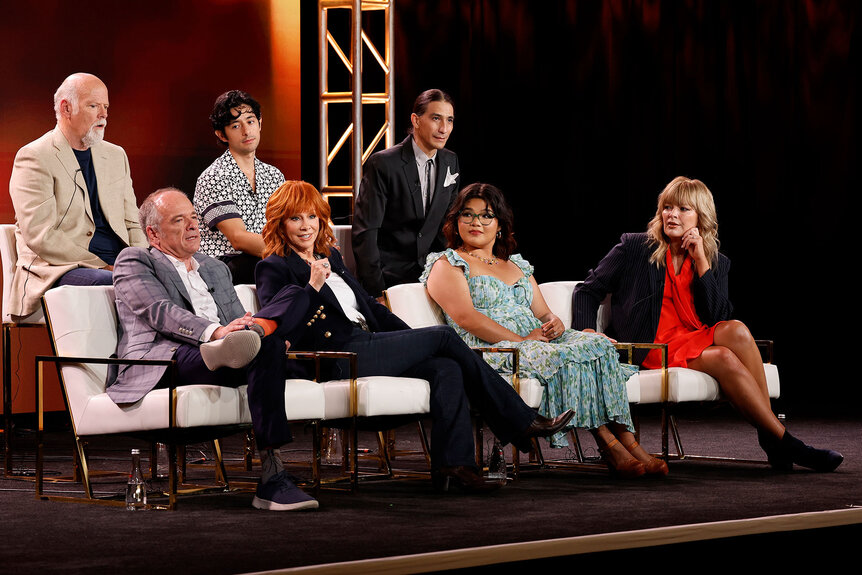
[(74, 204), (174, 302), (403, 198)]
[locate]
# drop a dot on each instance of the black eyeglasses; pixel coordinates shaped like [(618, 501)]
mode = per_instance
[(467, 217)]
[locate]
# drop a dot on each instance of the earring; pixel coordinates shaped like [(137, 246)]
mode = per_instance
[(499, 234)]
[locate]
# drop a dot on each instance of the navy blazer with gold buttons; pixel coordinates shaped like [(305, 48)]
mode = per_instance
[(325, 326)]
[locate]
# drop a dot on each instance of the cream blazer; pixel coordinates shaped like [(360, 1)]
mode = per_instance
[(53, 215)]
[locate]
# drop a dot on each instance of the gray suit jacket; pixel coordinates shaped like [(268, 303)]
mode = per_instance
[(52, 209), (391, 233), (155, 315)]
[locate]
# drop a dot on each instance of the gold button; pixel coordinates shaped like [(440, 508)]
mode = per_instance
[(327, 334), (308, 324), (320, 308), (323, 316)]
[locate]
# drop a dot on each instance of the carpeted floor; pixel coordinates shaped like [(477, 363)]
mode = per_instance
[(221, 533)]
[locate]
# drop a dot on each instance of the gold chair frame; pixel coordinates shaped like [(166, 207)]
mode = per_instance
[(171, 436)]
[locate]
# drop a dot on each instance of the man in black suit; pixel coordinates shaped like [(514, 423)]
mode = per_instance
[(403, 198)]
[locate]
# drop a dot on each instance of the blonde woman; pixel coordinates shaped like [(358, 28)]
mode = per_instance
[(669, 285)]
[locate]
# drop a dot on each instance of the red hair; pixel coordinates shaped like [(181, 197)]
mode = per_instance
[(291, 198)]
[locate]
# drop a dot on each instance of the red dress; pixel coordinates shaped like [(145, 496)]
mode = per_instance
[(678, 325)]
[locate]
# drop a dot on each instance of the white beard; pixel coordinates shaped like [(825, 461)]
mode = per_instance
[(93, 136)]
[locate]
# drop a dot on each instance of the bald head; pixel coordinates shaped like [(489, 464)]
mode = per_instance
[(81, 108)]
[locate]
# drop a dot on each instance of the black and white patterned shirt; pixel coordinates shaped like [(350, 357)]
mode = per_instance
[(223, 192)]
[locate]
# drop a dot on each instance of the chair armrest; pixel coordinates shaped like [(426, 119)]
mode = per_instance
[(316, 356), (58, 360), (765, 347), (516, 358), (630, 347)]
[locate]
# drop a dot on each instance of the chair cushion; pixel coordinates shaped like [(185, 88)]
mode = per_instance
[(9, 261), (690, 385), (531, 391), (633, 387), (378, 395), (304, 399), (83, 322), (558, 296), (197, 405), (414, 306), (247, 294)]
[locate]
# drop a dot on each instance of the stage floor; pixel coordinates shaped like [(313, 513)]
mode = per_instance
[(545, 513)]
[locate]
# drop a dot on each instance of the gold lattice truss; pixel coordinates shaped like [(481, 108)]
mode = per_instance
[(359, 21)]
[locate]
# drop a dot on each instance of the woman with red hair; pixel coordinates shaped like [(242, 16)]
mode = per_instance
[(341, 316)]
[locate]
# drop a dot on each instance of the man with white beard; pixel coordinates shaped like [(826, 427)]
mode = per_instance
[(74, 204)]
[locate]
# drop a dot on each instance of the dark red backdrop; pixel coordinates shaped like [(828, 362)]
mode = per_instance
[(580, 110)]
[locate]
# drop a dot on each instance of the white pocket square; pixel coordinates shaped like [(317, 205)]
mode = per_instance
[(450, 178)]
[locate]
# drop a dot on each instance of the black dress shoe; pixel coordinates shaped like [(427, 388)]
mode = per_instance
[(541, 427), (821, 460), (463, 477), (778, 457), (545, 427)]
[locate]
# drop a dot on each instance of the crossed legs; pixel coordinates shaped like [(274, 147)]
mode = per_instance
[(735, 362), (463, 377)]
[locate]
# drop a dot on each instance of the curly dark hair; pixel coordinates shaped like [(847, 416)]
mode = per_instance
[(222, 113), (493, 197)]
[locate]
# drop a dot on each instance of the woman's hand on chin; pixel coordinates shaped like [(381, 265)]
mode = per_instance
[(320, 270)]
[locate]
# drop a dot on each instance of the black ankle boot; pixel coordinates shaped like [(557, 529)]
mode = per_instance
[(821, 460), (778, 457)]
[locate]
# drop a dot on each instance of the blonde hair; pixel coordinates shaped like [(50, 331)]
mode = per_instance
[(682, 191), (291, 198)]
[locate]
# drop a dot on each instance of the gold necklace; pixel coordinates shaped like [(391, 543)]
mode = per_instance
[(490, 261)]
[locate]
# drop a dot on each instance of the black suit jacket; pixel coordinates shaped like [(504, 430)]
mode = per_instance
[(392, 236), (325, 327), (637, 288)]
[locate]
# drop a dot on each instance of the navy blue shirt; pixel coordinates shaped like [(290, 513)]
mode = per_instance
[(105, 243)]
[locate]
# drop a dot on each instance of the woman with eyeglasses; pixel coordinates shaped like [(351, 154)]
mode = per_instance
[(338, 315), (490, 297)]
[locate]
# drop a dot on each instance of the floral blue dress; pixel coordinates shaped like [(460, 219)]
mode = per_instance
[(580, 371)]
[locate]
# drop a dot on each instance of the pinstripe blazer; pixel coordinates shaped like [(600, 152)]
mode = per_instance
[(637, 288), (155, 314)]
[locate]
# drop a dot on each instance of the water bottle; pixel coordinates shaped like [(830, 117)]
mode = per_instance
[(497, 463), (136, 489), (330, 449)]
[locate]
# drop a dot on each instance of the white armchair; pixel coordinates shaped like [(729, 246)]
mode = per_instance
[(656, 386), (360, 397), (82, 323), (9, 260)]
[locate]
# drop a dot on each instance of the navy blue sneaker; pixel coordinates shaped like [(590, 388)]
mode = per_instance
[(282, 494)]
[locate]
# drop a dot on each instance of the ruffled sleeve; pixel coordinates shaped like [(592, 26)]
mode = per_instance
[(451, 255), (525, 266)]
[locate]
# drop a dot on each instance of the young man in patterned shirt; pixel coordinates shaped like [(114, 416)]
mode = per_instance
[(232, 193)]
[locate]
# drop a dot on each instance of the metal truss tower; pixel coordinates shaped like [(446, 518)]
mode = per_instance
[(355, 96)]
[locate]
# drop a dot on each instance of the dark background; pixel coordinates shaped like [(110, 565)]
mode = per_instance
[(581, 111)]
